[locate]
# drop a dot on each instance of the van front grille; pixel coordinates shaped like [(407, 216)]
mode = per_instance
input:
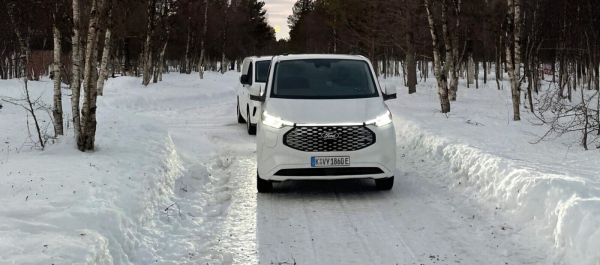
[(329, 138)]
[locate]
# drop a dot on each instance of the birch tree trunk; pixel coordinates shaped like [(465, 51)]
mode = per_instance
[(104, 63), (57, 111), (161, 60), (439, 74), (201, 61), (103, 71), (88, 112), (148, 44), (449, 66), (223, 66), (155, 72), (187, 68), (411, 64), (76, 83), (456, 57), (513, 54), (470, 69)]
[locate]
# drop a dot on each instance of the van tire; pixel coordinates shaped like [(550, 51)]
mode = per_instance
[(263, 186), (239, 114), (249, 126), (385, 183)]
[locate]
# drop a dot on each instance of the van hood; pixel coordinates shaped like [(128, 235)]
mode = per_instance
[(318, 111)]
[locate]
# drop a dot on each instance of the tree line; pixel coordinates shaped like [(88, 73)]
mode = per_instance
[(528, 39), (82, 42)]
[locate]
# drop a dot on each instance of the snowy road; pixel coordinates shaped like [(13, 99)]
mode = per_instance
[(420, 221), (173, 182)]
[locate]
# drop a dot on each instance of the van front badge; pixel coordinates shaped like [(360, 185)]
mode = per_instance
[(329, 135)]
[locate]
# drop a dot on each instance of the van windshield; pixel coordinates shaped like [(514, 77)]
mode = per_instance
[(323, 79), (262, 71)]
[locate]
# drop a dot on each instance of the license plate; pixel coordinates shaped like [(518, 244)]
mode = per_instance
[(328, 161)]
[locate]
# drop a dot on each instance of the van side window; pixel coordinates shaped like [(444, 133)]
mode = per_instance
[(250, 79), (267, 80)]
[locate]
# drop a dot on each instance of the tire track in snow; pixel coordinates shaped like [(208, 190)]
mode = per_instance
[(364, 195)]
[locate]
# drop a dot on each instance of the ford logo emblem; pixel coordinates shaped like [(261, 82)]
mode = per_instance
[(329, 135)]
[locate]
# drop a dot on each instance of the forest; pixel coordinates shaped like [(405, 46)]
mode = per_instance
[(83, 42)]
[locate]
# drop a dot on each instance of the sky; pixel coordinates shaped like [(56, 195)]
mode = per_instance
[(277, 12)]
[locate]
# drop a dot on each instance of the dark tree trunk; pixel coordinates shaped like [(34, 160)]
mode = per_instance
[(411, 65)]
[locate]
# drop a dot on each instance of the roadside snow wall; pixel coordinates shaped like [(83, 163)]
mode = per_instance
[(563, 209)]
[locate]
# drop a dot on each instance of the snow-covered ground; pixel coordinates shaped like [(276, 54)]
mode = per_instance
[(173, 182)]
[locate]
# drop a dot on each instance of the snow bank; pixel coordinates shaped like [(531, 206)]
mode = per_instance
[(118, 204), (182, 91), (539, 187), (67, 207)]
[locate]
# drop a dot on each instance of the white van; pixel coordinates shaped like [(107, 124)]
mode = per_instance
[(324, 118), (254, 77)]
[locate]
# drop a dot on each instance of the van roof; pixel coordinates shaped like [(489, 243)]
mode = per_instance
[(319, 56), (260, 58)]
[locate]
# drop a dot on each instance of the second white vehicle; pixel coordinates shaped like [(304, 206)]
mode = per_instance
[(323, 118), (254, 78)]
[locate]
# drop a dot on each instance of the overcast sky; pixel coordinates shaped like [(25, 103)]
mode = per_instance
[(278, 11)]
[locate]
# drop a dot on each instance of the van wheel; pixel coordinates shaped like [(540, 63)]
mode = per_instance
[(385, 184), (263, 186), (239, 114), (251, 128)]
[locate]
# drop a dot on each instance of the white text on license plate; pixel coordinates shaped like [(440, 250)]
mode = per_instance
[(327, 161)]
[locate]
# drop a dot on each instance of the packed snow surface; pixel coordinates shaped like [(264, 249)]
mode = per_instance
[(172, 181)]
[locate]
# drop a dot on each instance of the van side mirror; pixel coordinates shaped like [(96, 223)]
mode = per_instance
[(389, 93), (244, 80), (254, 90), (257, 93)]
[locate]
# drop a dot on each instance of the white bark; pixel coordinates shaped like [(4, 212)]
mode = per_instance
[(76, 80), (187, 65), (453, 88), (437, 61), (513, 54), (148, 44), (161, 60), (470, 70), (57, 110), (104, 62), (223, 63), (88, 112), (201, 61)]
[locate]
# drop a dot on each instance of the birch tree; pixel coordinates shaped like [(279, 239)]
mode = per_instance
[(149, 42), (202, 51), (223, 63), (161, 60), (440, 74), (513, 53), (77, 63), (103, 73), (57, 110), (163, 30), (451, 44), (88, 112)]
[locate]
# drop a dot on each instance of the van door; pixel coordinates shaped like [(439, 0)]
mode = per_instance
[(242, 92)]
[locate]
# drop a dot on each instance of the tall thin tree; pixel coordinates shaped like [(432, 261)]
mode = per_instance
[(440, 74), (57, 110)]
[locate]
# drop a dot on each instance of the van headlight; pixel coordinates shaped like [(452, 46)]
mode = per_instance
[(274, 121), (382, 120)]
